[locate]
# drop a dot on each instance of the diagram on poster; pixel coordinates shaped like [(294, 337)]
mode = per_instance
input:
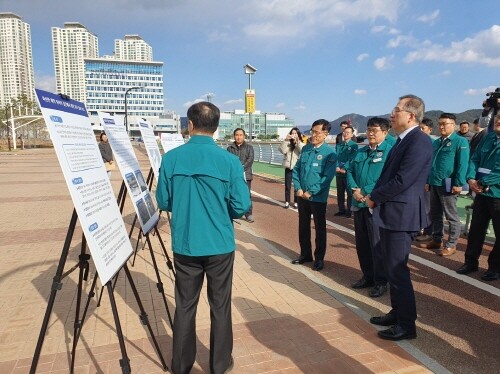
[(151, 144), (171, 141), (130, 170), (88, 183)]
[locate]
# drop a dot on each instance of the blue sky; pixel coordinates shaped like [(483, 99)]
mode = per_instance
[(314, 59)]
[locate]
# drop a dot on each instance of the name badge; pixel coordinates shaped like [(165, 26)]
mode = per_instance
[(315, 164), (484, 171), (377, 160)]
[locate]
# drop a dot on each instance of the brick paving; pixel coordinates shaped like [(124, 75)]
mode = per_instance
[(283, 321)]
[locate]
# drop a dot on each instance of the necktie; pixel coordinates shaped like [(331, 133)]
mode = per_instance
[(398, 141)]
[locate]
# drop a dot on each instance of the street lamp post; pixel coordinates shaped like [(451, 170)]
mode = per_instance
[(126, 113), (249, 97)]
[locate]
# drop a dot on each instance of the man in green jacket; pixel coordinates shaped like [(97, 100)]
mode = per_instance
[(362, 174), (446, 178), (483, 177), (346, 150), (204, 188), (312, 176)]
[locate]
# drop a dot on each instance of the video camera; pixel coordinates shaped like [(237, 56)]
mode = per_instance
[(492, 100)]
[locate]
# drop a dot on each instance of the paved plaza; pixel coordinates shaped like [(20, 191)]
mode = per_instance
[(284, 320)]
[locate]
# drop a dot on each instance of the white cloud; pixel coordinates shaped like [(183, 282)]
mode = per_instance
[(300, 107), (383, 63), (481, 48), (401, 40), (358, 91), (429, 18), (45, 82), (362, 56), (289, 20), (280, 105), (479, 91), (384, 29), (445, 73)]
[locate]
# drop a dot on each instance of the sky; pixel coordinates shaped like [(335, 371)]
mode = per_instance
[(314, 59)]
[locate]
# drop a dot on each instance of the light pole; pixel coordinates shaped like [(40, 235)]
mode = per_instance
[(126, 113), (249, 97)]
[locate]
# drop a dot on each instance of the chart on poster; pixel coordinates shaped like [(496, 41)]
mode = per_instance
[(78, 153), (131, 172), (149, 138)]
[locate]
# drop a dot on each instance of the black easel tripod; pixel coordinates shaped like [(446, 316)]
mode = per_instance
[(57, 285)]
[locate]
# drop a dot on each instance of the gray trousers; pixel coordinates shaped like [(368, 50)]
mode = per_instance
[(190, 271), (444, 203)]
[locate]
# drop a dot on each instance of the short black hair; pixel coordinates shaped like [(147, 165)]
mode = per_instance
[(349, 127), (344, 123), (428, 122), (239, 129), (325, 125), (204, 116), (448, 116), (383, 123), (476, 121)]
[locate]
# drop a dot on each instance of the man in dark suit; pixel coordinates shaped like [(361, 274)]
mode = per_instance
[(398, 205)]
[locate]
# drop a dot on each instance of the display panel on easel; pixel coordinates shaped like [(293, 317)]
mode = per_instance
[(131, 172), (149, 138), (88, 183)]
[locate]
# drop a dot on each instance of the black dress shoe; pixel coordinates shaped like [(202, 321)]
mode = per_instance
[(362, 283), (396, 333), (467, 269), (387, 320), (348, 215), (378, 290), (339, 214), (490, 276), (301, 260), (318, 265)]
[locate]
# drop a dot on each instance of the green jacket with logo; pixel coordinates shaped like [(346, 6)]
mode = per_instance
[(314, 171), (365, 169), (345, 153), (450, 160), (484, 165)]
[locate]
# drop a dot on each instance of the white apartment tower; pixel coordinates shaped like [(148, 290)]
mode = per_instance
[(16, 59), (133, 48), (71, 45)]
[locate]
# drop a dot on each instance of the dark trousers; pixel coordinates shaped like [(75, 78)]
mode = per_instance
[(249, 184), (427, 201), (395, 247), (318, 210), (367, 238), (484, 210), (190, 271), (341, 191), (288, 186)]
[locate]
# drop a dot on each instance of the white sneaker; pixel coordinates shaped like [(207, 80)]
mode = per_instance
[(296, 205), (250, 218), (287, 205)]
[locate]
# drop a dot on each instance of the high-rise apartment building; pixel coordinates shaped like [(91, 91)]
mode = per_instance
[(16, 60), (134, 48), (71, 45)]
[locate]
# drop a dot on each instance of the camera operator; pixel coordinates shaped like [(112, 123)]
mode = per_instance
[(491, 106), (291, 148), (483, 177)]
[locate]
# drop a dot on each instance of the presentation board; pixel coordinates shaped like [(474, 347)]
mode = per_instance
[(154, 155), (85, 174), (171, 141), (130, 170)]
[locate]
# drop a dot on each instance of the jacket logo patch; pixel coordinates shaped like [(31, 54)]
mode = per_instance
[(319, 157)]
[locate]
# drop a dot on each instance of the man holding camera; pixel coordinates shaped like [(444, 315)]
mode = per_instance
[(346, 151), (483, 177)]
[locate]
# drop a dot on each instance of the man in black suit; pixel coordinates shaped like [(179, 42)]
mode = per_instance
[(398, 205)]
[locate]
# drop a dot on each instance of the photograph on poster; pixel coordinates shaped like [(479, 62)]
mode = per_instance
[(150, 204), (140, 179), (132, 184), (144, 215)]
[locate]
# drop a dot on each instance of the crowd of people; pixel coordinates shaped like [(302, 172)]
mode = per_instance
[(398, 190)]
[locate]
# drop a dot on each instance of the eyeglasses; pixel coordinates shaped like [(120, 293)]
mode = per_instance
[(373, 131), (397, 110)]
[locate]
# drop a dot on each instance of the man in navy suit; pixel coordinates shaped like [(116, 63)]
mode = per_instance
[(398, 205)]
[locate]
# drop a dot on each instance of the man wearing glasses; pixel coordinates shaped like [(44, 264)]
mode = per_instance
[(398, 207), (447, 176), (312, 176)]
